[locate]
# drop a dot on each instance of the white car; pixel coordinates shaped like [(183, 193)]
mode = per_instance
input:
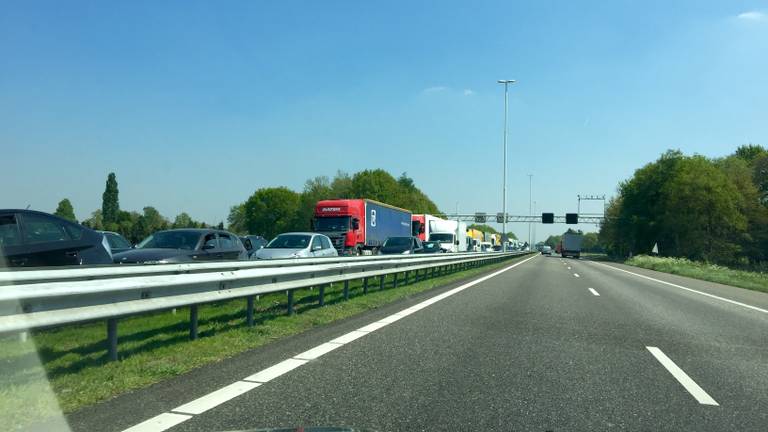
[(297, 245)]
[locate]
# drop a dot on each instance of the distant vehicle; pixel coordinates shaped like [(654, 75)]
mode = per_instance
[(117, 243), (570, 245), (185, 245), (486, 246), (474, 240), (297, 245), (546, 250), (31, 238), (402, 245), (357, 226), (253, 243), (431, 247)]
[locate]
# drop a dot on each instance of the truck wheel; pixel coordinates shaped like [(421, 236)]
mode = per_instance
[(355, 251)]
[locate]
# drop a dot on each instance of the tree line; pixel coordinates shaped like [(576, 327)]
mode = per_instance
[(711, 209), (272, 210), (268, 211), (132, 225)]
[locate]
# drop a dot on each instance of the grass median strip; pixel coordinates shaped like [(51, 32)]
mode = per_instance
[(157, 346), (756, 281)]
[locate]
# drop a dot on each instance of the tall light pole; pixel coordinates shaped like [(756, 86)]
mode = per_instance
[(530, 210), (504, 187)]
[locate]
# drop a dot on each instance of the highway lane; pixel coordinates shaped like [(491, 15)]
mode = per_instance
[(532, 348)]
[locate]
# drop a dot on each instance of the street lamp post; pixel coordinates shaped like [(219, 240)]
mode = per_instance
[(530, 210), (504, 187)]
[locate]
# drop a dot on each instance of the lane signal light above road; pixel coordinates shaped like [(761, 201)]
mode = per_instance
[(547, 218), (572, 218)]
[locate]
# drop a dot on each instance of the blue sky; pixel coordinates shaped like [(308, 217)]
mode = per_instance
[(196, 104)]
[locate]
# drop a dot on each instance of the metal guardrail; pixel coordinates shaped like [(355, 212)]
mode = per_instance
[(35, 299)]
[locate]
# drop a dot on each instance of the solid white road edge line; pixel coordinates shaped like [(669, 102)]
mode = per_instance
[(594, 292), (694, 389), (685, 288), (166, 421)]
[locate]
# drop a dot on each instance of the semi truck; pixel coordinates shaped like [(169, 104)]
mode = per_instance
[(360, 226), (570, 245), (475, 238)]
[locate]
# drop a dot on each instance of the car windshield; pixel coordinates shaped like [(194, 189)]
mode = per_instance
[(326, 224), (290, 241), (397, 242), (431, 245), (441, 237), (171, 240), (116, 241)]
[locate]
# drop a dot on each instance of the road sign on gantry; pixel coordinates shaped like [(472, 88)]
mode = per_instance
[(572, 218), (480, 217), (547, 218), (499, 217)]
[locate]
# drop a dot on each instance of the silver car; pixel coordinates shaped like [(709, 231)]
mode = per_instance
[(297, 245)]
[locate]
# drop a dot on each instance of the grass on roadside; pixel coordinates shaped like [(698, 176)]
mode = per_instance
[(710, 272), (156, 346)]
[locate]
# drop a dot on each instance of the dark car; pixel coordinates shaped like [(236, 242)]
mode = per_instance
[(31, 238), (431, 247), (401, 245), (253, 243), (116, 242), (185, 245)]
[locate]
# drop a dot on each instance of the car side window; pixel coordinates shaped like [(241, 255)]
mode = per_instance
[(42, 229), (316, 242), (9, 231), (325, 242), (226, 242), (210, 241)]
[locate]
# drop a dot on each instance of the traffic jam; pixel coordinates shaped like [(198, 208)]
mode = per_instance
[(342, 227)]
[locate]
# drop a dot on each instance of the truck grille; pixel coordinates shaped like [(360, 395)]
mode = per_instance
[(338, 242)]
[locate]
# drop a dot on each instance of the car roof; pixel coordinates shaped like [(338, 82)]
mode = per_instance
[(300, 233)]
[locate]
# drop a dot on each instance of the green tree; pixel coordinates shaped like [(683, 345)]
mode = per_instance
[(65, 210), (149, 222), (95, 221), (183, 220), (341, 186), (749, 152), (315, 189), (110, 203), (271, 211), (552, 241), (236, 219)]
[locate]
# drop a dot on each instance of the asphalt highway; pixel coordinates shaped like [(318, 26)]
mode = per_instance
[(550, 344)]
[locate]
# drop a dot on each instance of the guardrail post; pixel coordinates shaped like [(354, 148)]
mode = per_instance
[(249, 311), (346, 290), (394, 283), (290, 302), (433, 272), (193, 322), (321, 295), (365, 285), (112, 339), (381, 282), (406, 278)]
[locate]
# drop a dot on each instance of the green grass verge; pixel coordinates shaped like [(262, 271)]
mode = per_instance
[(709, 272), (157, 346)]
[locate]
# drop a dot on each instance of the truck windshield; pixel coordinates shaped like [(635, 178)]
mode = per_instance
[(338, 223), (441, 237)]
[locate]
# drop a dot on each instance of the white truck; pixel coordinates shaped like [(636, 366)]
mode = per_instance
[(570, 245), (452, 235)]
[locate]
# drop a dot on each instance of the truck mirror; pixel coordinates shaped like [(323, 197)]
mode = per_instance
[(355, 224), (456, 242)]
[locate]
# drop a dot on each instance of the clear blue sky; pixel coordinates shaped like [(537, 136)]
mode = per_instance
[(196, 104)]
